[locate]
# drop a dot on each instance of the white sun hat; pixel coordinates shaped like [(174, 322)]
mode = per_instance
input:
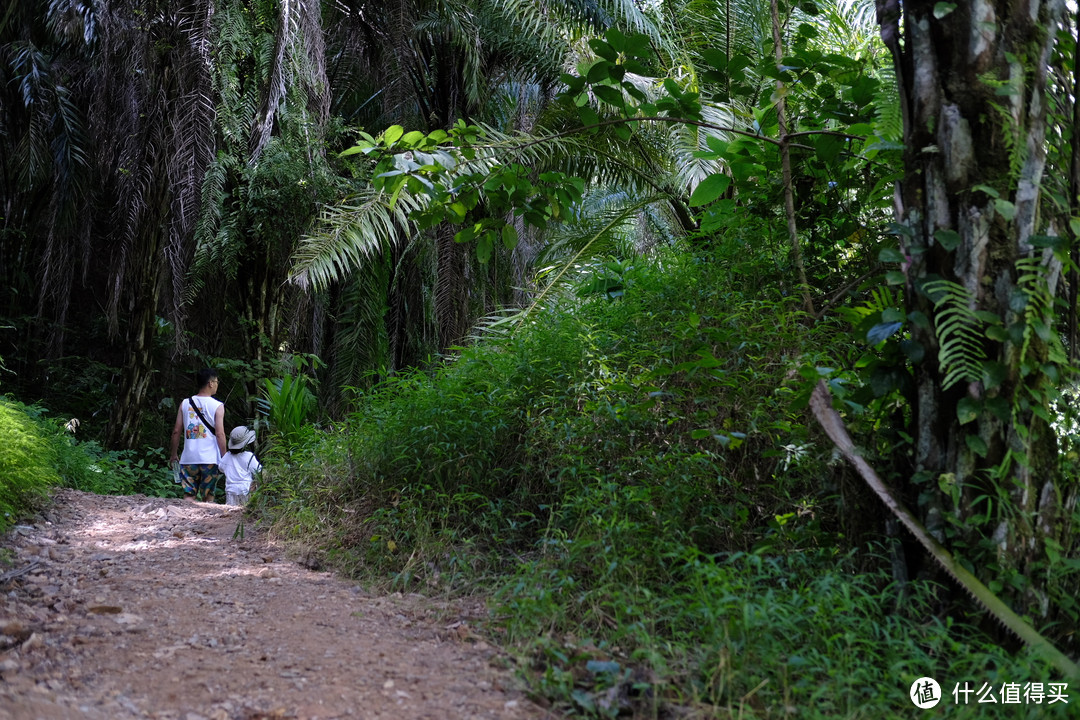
[(240, 436)]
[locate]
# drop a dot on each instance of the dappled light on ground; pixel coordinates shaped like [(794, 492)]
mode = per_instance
[(138, 608)]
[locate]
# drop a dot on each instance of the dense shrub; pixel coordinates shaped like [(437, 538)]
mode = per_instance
[(656, 523)]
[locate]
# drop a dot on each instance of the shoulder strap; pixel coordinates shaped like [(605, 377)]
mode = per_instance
[(198, 411)]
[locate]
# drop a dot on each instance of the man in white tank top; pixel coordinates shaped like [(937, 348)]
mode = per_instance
[(201, 419)]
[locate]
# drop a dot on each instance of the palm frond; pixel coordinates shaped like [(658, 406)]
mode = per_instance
[(889, 123), (360, 342), (688, 139), (349, 233), (451, 21), (570, 19), (192, 179), (595, 234), (284, 41)]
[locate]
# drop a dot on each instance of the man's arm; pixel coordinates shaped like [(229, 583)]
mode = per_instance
[(177, 429), (219, 427)]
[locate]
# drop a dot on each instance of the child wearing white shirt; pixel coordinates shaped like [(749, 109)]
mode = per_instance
[(239, 465)]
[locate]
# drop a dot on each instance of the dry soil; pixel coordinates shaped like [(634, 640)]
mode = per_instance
[(114, 608)]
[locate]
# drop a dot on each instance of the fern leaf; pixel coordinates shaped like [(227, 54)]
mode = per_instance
[(960, 332)]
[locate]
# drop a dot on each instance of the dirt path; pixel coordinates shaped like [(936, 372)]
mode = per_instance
[(135, 607)]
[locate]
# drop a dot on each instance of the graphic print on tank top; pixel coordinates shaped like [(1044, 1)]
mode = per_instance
[(196, 429)]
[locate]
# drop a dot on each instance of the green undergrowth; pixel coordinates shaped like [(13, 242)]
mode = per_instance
[(91, 468), (37, 454), (28, 458), (654, 524)]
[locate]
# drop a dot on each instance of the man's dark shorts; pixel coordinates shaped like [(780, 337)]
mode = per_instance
[(200, 480)]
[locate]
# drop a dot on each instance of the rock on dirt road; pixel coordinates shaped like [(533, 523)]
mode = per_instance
[(114, 608)]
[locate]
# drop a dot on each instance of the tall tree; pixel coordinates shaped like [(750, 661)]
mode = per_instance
[(149, 100), (980, 279), (106, 131)]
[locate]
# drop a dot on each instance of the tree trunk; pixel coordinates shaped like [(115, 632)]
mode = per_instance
[(125, 417), (147, 281), (144, 201), (972, 87), (785, 163), (451, 289)]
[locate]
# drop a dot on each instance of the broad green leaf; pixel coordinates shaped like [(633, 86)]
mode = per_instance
[(994, 374), (588, 116), (895, 228), (362, 148), (942, 9), (779, 93), (465, 235), (895, 277), (639, 46), (574, 83), (603, 49), (1005, 208), (999, 408), (890, 254), (484, 246), (967, 410), (672, 88), (616, 39), (948, 239), (988, 317), (709, 189), (608, 94), (413, 138), (598, 72), (509, 237), (882, 331), (633, 91), (913, 350), (1051, 241), (716, 144), (1051, 371), (392, 134), (715, 58), (828, 147)]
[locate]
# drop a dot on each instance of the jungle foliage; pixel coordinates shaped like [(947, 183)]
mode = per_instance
[(658, 526), (531, 298)]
